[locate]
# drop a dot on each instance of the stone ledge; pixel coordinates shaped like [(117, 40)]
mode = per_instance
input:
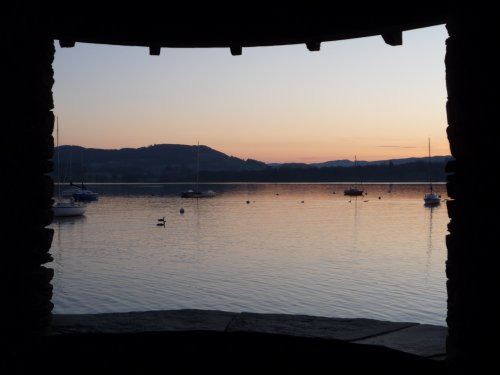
[(424, 340), (314, 326), (418, 339), (147, 321)]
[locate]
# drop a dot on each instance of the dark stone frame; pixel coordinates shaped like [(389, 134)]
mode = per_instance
[(472, 77)]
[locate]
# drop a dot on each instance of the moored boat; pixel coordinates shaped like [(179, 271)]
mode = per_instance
[(198, 194), (353, 191), (65, 206), (431, 198), (68, 208), (80, 193)]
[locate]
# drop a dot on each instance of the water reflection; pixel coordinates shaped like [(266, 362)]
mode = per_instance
[(65, 227), (382, 259), (430, 210), (68, 220), (355, 225)]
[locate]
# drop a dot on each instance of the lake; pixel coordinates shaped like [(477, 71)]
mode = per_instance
[(263, 248)]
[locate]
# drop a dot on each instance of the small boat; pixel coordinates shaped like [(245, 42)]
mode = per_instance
[(197, 193), (68, 208), (65, 206), (353, 191), (80, 193), (431, 198)]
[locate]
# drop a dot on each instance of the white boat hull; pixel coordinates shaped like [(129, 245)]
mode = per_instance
[(68, 209)]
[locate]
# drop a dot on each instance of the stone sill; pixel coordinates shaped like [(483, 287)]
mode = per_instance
[(423, 340)]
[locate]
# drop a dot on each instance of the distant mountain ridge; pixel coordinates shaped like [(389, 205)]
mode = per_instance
[(147, 163), (175, 162), (361, 163)]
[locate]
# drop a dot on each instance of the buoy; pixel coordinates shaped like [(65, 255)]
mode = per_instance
[(301, 201), (379, 198), (248, 202), (181, 210)]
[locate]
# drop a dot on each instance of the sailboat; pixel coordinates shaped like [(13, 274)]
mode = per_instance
[(431, 198), (65, 207), (80, 193), (197, 193), (353, 190)]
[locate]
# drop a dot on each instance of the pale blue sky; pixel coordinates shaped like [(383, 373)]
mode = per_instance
[(275, 104)]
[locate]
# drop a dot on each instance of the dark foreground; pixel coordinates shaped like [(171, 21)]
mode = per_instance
[(221, 353), (198, 342)]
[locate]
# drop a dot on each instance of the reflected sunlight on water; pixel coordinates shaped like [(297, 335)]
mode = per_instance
[(294, 248)]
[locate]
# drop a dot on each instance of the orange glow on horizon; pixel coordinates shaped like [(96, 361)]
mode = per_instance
[(282, 104)]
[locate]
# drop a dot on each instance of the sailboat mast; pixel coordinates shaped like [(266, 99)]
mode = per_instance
[(197, 165), (58, 158), (429, 165), (355, 171)]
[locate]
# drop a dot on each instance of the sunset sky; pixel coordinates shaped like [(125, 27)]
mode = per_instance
[(274, 104)]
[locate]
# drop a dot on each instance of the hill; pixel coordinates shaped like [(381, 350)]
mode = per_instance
[(177, 163), (164, 162)]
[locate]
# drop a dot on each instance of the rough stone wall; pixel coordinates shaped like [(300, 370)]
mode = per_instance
[(27, 145), (472, 78)]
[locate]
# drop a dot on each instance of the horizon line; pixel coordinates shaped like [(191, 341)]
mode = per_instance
[(246, 159)]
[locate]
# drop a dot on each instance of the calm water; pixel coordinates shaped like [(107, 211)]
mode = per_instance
[(295, 249)]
